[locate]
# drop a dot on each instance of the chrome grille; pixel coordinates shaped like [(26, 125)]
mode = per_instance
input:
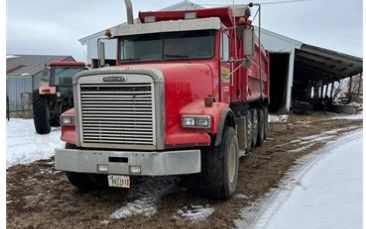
[(117, 114)]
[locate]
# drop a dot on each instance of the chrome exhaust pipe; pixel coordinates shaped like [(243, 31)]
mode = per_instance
[(129, 11)]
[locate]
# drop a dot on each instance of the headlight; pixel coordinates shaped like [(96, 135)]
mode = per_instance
[(67, 120), (196, 121)]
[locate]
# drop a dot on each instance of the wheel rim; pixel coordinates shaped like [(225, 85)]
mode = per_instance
[(232, 162)]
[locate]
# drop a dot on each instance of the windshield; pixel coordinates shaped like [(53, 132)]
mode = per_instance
[(168, 46), (62, 76)]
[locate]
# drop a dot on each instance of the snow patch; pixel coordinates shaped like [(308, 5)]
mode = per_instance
[(146, 197), (358, 116), (24, 145), (194, 213), (330, 180), (11, 56), (277, 118), (241, 196), (301, 148)]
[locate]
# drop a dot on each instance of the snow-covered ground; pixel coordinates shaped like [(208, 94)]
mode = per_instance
[(24, 145), (349, 117), (323, 191)]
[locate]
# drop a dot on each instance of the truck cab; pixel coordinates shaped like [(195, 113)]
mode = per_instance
[(188, 97)]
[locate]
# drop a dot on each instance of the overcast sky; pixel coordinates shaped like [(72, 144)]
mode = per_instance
[(53, 27)]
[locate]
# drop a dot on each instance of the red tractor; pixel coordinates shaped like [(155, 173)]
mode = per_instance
[(189, 96), (54, 96)]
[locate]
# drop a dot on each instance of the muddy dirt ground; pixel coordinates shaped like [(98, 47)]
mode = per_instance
[(40, 197)]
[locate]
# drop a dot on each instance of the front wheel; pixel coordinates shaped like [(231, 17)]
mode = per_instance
[(220, 167), (85, 181)]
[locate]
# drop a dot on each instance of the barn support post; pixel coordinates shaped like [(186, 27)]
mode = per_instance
[(350, 89), (359, 86), (331, 90), (326, 90)]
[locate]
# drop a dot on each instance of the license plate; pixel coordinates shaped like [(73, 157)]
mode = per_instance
[(119, 181)]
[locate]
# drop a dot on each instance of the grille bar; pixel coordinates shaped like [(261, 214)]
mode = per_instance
[(117, 114)]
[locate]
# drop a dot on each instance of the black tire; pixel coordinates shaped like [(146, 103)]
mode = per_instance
[(40, 113), (254, 126), (249, 130), (85, 181), (55, 121), (260, 136), (265, 113), (218, 178)]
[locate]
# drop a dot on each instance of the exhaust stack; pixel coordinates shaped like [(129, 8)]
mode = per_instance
[(129, 11)]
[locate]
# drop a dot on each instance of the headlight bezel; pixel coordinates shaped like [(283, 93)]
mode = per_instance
[(64, 122), (196, 121)]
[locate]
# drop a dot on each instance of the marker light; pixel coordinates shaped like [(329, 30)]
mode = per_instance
[(149, 19), (102, 168), (190, 15), (242, 20), (134, 169)]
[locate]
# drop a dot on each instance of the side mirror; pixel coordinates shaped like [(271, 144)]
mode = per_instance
[(101, 53), (248, 39)]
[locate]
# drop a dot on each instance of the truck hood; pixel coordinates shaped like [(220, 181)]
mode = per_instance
[(184, 84)]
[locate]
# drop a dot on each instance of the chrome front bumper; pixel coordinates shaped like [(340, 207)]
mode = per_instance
[(120, 162)]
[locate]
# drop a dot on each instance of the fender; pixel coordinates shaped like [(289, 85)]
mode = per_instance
[(68, 133), (226, 114)]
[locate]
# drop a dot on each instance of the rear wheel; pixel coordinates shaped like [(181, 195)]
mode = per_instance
[(260, 136), (249, 130), (41, 113), (220, 167), (254, 126), (265, 113)]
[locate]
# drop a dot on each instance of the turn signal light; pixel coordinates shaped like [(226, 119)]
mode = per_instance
[(242, 20)]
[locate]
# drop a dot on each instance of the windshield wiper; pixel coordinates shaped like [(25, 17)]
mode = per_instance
[(176, 56), (130, 59)]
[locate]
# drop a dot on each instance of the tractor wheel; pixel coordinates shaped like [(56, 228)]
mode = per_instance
[(220, 167), (55, 121), (265, 113), (40, 113), (85, 181), (260, 136), (254, 126)]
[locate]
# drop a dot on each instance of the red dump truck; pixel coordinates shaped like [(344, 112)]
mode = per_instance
[(189, 96)]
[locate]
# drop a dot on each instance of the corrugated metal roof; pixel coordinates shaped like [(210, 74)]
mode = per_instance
[(184, 5), (29, 64), (319, 64)]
